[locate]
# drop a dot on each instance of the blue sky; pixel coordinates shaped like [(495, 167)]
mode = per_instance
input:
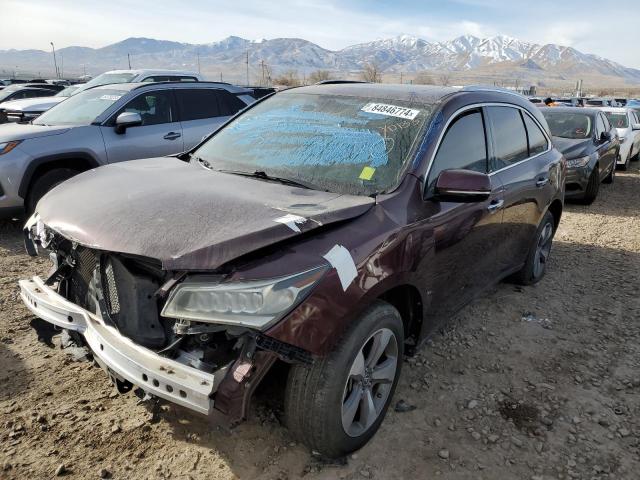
[(611, 30)]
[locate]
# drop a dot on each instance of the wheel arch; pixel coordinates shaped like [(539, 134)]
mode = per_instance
[(80, 161), (406, 298), (556, 210)]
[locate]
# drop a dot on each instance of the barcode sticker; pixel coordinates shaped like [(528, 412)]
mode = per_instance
[(391, 110)]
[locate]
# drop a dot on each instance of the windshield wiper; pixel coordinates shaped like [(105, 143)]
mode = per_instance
[(263, 176)]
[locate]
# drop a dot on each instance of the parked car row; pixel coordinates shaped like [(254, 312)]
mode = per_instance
[(594, 141), (328, 229), (580, 101)]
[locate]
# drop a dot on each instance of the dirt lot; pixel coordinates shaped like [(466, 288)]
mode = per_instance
[(528, 383)]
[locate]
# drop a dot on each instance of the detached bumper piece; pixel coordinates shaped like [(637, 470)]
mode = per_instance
[(121, 358)]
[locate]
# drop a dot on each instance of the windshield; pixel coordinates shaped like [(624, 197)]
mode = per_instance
[(618, 120), (67, 92), (106, 79), (5, 92), (568, 125), (596, 102), (342, 144), (81, 109)]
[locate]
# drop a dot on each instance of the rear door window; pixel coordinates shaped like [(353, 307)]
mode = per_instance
[(464, 146), (198, 104), (509, 137)]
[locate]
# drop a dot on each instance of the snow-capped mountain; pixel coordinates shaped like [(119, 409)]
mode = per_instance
[(399, 54)]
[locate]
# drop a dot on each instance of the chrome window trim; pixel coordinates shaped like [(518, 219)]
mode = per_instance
[(469, 192), (474, 106)]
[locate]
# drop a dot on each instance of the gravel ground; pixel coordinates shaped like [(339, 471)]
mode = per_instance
[(535, 383)]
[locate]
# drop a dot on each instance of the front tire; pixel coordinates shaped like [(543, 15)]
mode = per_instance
[(44, 183), (337, 404), (593, 186), (536, 263)]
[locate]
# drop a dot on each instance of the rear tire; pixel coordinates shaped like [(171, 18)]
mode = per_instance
[(536, 263), (593, 186), (44, 183), (337, 404)]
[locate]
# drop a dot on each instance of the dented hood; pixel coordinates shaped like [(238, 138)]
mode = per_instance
[(184, 215)]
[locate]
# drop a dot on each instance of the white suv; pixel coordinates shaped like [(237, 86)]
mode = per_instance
[(627, 125)]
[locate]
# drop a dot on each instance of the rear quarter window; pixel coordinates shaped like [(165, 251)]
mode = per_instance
[(229, 103), (537, 141)]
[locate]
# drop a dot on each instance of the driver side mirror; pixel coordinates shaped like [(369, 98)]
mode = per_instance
[(127, 120), (462, 186)]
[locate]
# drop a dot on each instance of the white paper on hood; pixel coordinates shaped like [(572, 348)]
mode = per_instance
[(292, 221), (340, 259)]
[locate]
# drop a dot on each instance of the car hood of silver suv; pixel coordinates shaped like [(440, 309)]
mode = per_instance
[(15, 131), (39, 104)]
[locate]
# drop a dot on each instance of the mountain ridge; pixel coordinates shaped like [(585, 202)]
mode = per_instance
[(403, 53)]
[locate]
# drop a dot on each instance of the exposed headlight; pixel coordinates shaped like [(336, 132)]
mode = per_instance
[(6, 147), (256, 304), (578, 162)]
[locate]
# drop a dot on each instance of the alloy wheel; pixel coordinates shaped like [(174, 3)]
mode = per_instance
[(543, 249), (369, 382)]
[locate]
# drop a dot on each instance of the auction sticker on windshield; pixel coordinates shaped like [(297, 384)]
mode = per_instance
[(391, 110)]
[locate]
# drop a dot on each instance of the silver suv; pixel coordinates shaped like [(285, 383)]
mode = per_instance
[(29, 108), (107, 124)]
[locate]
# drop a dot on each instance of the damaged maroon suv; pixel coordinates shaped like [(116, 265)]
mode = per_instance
[(328, 228)]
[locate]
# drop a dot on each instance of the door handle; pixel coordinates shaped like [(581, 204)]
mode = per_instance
[(542, 181), (495, 205), (172, 136)]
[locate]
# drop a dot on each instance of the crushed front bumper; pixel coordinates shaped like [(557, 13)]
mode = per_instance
[(121, 358)]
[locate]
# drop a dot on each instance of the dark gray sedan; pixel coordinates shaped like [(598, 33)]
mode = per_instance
[(589, 143)]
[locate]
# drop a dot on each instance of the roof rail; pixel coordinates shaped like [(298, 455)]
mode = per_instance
[(489, 88), (198, 82), (338, 82)]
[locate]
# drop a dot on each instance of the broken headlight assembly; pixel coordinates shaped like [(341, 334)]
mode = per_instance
[(253, 304)]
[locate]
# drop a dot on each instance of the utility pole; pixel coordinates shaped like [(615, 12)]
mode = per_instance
[(262, 82), (61, 65), (247, 68), (400, 78), (55, 62), (220, 77), (198, 56), (129, 60)]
